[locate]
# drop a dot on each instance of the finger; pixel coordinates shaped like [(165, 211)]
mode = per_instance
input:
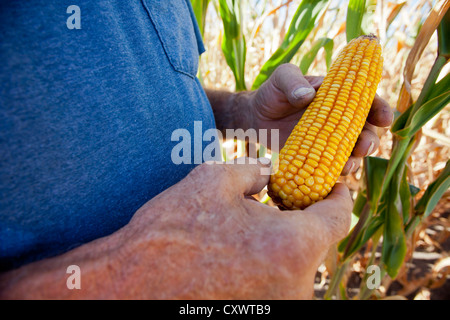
[(289, 79), (352, 165), (249, 176), (380, 114), (366, 144), (334, 212), (315, 81)]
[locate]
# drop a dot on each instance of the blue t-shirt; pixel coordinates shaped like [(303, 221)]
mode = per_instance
[(88, 103)]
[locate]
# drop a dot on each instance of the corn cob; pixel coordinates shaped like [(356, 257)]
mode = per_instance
[(316, 151)]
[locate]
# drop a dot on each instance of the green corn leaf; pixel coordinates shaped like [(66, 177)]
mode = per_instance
[(360, 201), (394, 240), (413, 189), (355, 13), (444, 36), (366, 206), (405, 196), (425, 113), (375, 169), (434, 192), (200, 7), (372, 226), (400, 123), (233, 43), (325, 43), (301, 25), (441, 87)]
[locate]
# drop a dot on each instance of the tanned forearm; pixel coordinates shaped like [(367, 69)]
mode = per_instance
[(47, 279)]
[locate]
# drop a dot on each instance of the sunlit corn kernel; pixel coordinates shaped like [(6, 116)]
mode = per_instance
[(287, 189), (328, 155), (288, 157), (292, 168), (333, 120), (309, 181), (304, 189), (292, 184), (303, 150), (314, 156), (291, 152), (329, 179), (323, 167), (319, 173), (306, 201), (298, 195), (314, 196), (334, 170), (317, 188), (279, 174), (275, 187), (308, 168), (281, 181), (312, 163), (314, 153), (325, 161), (302, 173), (299, 180), (282, 194), (321, 142), (297, 163), (288, 175)]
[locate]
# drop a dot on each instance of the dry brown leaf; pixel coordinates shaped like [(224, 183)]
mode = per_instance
[(426, 31)]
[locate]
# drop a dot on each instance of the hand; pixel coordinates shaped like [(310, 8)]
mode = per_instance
[(282, 99), (205, 238)]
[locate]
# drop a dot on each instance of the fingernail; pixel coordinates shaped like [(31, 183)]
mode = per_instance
[(303, 92), (352, 167), (265, 161), (371, 146)]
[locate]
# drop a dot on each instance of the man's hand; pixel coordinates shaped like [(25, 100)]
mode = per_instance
[(282, 99), (204, 238)]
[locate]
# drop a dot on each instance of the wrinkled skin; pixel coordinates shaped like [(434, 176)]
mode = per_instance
[(226, 245)]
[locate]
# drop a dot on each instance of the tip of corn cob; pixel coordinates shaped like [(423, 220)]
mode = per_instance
[(315, 153)]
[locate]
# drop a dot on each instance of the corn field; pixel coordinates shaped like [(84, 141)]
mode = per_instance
[(400, 221)]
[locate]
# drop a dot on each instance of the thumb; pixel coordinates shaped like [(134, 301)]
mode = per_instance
[(289, 79), (249, 175), (334, 212)]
